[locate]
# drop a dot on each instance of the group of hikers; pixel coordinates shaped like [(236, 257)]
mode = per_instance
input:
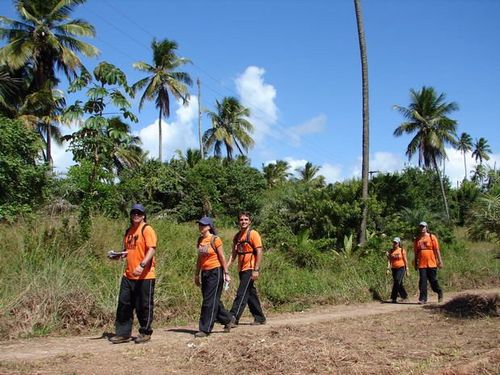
[(212, 274)]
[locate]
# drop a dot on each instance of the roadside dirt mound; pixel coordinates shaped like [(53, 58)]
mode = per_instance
[(373, 338)]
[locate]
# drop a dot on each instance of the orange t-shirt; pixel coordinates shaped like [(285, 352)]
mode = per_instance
[(209, 259), (246, 257), (396, 257), (137, 245), (426, 248)]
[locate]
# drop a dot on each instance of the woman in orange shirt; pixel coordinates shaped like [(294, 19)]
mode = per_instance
[(398, 263), (427, 261), (211, 273)]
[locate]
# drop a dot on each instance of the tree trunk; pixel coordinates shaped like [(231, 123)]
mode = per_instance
[(465, 167), (366, 120), (159, 137), (49, 146), (441, 184)]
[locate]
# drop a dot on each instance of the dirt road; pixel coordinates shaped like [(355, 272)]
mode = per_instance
[(372, 338)]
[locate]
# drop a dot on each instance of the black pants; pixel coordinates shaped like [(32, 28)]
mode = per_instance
[(247, 295), (398, 275), (212, 309), (431, 275), (138, 295)]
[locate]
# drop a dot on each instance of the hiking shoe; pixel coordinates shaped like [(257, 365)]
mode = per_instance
[(440, 297), (394, 301), (405, 300), (258, 322), (231, 324), (200, 334), (142, 338), (119, 339)]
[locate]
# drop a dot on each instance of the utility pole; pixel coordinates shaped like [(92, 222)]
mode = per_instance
[(199, 119)]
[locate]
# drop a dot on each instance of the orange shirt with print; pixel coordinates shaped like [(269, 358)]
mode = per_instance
[(426, 247), (137, 242), (396, 257), (246, 257), (209, 259)]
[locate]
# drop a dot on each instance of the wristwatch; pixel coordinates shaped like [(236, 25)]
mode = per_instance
[(143, 265)]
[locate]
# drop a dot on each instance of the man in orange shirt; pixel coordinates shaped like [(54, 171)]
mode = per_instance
[(138, 281), (427, 261), (247, 248)]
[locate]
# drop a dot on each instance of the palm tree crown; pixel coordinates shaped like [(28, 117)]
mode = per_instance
[(163, 80), (481, 150), (230, 128)]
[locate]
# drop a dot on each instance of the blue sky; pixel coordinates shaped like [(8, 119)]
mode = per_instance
[(296, 65)]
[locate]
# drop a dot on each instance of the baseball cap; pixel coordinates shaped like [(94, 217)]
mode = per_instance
[(138, 207), (423, 224), (205, 220), (396, 239)]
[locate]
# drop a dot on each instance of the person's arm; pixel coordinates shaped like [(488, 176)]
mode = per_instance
[(232, 257), (258, 260), (197, 271), (150, 253), (220, 255), (437, 252), (416, 253), (405, 259)]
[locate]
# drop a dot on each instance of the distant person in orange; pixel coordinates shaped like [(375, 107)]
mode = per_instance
[(247, 248), (138, 282), (427, 261), (211, 273), (398, 264)]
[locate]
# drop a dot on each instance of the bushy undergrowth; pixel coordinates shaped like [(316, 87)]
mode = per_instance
[(54, 282)]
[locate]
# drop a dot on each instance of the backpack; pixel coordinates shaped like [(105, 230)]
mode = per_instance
[(212, 242), (142, 231), (238, 244)]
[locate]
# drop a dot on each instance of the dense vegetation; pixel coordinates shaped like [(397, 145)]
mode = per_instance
[(55, 230)]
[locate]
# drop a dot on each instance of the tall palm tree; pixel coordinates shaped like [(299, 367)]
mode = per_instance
[(464, 144), (366, 120), (230, 128), (46, 39), (481, 150), (163, 80), (427, 118)]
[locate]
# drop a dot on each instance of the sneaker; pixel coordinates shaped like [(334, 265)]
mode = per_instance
[(231, 324), (258, 322), (119, 339), (405, 300), (394, 301), (142, 338), (440, 297), (422, 302), (200, 334)]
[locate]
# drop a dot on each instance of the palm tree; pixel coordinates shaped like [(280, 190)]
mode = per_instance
[(366, 120), (481, 150), (125, 150), (192, 157), (308, 172), (230, 128), (427, 117), (276, 173), (163, 80), (46, 40), (464, 144)]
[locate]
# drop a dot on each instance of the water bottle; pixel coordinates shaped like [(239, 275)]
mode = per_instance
[(226, 285)]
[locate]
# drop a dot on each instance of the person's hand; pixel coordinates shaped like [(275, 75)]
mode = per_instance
[(197, 280), (138, 270), (440, 265), (388, 271), (227, 278), (124, 254), (407, 271), (255, 275)]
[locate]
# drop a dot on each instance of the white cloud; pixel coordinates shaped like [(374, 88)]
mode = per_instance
[(61, 156), (176, 135), (259, 97), (311, 126), (332, 173)]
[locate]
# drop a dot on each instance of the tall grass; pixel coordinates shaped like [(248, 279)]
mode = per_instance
[(54, 283)]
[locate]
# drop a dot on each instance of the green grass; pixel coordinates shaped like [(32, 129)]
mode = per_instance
[(54, 283)]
